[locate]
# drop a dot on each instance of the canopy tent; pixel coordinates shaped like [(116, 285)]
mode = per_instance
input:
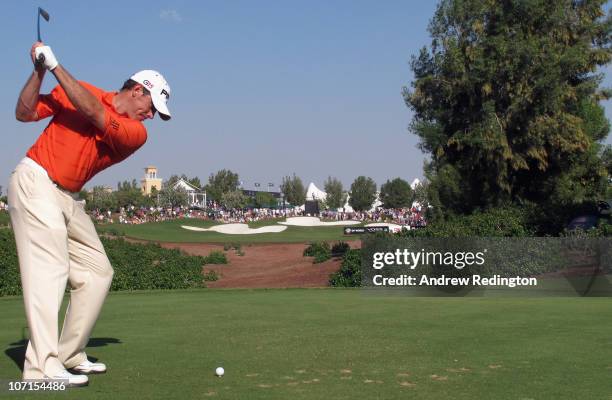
[(314, 193)]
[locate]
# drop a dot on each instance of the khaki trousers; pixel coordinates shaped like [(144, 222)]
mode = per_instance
[(56, 242)]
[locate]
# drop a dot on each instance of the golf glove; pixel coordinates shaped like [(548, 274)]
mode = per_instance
[(45, 56)]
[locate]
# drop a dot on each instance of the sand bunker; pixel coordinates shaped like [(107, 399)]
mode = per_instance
[(314, 221), (237, 229)]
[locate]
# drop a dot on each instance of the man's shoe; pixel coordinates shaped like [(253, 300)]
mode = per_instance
[(87, 367), (71, 380)]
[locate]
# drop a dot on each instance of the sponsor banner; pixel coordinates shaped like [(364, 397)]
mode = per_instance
[(361, 230)]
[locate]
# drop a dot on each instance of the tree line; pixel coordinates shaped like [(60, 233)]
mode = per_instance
[(223, 188), (395, 193)]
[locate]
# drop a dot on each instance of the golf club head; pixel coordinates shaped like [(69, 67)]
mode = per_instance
[(44, 14)]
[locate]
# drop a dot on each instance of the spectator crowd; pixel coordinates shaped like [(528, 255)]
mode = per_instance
[(413, 217)]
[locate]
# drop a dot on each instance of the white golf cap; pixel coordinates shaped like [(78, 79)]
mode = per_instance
[(159, 88)]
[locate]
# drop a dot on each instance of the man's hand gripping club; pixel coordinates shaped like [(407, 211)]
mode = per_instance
[(43, 55)]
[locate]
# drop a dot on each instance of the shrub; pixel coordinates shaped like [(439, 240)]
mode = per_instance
[(554, 218), (319, 250), (349, 274), (603, 229), (148, 266), (339, 249), (211, 276), (321, 257), (495, 222), (215, 257), (235, 246), (4, 218), (10, 282), (137, 266), (114, 232), (316, 247)]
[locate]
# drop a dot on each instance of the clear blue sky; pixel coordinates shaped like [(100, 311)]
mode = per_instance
[(264, 88)]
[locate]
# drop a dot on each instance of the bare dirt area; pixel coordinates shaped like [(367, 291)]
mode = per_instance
[(265, 266)]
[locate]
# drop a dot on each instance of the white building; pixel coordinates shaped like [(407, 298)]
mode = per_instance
[(196, 197)]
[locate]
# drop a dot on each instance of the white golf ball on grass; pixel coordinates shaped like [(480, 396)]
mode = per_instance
[(219, 371)]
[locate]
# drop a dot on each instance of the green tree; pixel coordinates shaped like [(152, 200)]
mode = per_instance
[(362, 194), (265, 200), (293, 190), (506, 102), (172, 195), (153, 198), (149, 200), (195, 181), (396, 194), (83, 195), (102, 199), (421, 193), (129, 194), (223, 181), (234, 199), (606, 156), (336, 197), (174, 179)]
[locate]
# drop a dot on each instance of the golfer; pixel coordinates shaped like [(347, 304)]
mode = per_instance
[(90, 130)]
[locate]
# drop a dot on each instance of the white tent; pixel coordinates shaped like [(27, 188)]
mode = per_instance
[(347, 208), (314, 193), (377, 202)]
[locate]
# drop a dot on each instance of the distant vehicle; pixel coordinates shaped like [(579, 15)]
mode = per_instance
[(584, 222), (605, 207)]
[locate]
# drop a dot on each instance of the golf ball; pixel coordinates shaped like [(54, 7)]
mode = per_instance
[(219, 371)]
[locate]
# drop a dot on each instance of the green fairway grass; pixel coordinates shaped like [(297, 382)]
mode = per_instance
[(171, 231), (4, 218), (338, 344)]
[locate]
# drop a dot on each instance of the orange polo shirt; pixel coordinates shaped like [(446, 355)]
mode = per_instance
[(72, 149)]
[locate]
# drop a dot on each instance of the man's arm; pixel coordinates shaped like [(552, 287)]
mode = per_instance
[(25, 111), (82, 99)]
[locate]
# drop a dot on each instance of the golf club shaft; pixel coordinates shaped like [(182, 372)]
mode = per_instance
[(45, 15)]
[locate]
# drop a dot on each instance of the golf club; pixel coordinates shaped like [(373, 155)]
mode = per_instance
[(45, 15)]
